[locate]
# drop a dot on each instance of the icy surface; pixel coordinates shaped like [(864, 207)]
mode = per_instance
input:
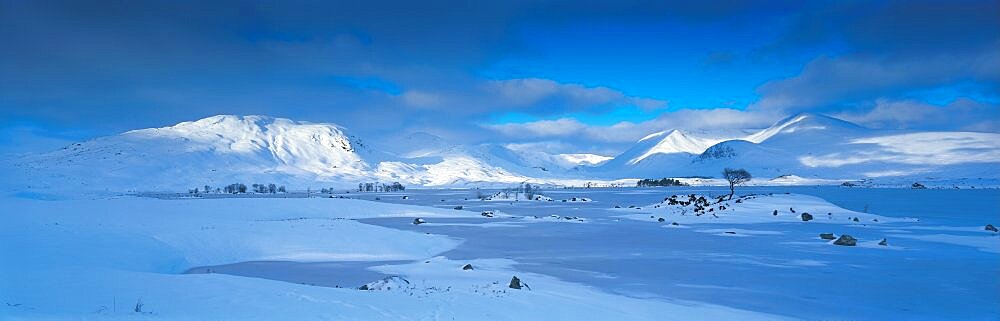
[(285, 258)]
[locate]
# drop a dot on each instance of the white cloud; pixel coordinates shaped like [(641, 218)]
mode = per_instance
[(626, 132), (960, 114), (829, 81)]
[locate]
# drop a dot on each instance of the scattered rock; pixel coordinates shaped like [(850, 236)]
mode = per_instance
[(775, 213), (791, 209), (918, 186), (846, 240), (806, 217), (515, 283), (418, 221), (674, 224), (467, 267), (883, 242), (406, 197), (730, 232), (826, 236), (991, 228), (488, 214), (386, 284), (661, 220), (617, 206), (378, 198), (459, 207), (856, 219)]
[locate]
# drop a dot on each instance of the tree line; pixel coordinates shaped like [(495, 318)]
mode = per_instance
[(381, 187), (240, 188), (647, 182)]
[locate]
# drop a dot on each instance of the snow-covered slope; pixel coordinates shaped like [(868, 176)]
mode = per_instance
[(221, 150), (215, 150), (226, 149), (815, 146)]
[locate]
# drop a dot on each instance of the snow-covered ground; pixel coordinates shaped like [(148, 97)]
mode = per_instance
[(256, 258)]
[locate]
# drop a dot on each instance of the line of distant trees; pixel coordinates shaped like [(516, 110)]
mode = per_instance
[(659, 182), (381, 187), (240, 188)]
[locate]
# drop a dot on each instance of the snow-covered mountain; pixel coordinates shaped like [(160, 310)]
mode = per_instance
[(225, 149), (220, 150), (815, 146)]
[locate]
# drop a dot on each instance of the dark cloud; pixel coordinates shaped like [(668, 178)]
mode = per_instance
[(894, 50), (407, 66)]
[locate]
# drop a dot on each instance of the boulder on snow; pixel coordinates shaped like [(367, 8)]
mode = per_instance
[(826, 236), (459, 207), (487, 214), (775, 213), (991, 228), (386, 284), (856, 219), (918, 186), (515, 283), (806, 217), (660, 220), (418, 221), (846, 240), (674, 224), (467, 267), (883, 242)]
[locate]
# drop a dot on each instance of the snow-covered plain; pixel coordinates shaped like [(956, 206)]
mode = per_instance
[(96, 258)]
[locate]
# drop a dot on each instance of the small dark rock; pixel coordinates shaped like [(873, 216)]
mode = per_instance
[(459, 207), (918, 186), (791, 209), (515, 283), (826, 236), (806, 217), (846, 240), (775, 213), (730, 232), (418, 221), (467, 267), (991, 228), (661, 220), (883, 242), (674, 224), (856, 219)]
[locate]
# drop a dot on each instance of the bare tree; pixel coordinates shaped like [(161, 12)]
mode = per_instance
[(735, 177)]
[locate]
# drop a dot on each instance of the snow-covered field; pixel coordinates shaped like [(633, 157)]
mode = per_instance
[(610, 257)]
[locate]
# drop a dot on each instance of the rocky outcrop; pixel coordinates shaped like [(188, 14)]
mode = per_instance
[(846, 240)]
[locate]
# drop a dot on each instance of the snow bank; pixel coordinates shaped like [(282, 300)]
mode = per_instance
[(751, 209), (121, 259)]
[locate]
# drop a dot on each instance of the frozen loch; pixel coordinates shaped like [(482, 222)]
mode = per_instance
[(626, 253)]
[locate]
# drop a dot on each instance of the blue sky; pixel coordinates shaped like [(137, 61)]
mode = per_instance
[(582, 76)]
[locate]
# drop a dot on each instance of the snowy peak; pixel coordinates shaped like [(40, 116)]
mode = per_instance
[(318, 146), (674, 142), (800, 123)]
